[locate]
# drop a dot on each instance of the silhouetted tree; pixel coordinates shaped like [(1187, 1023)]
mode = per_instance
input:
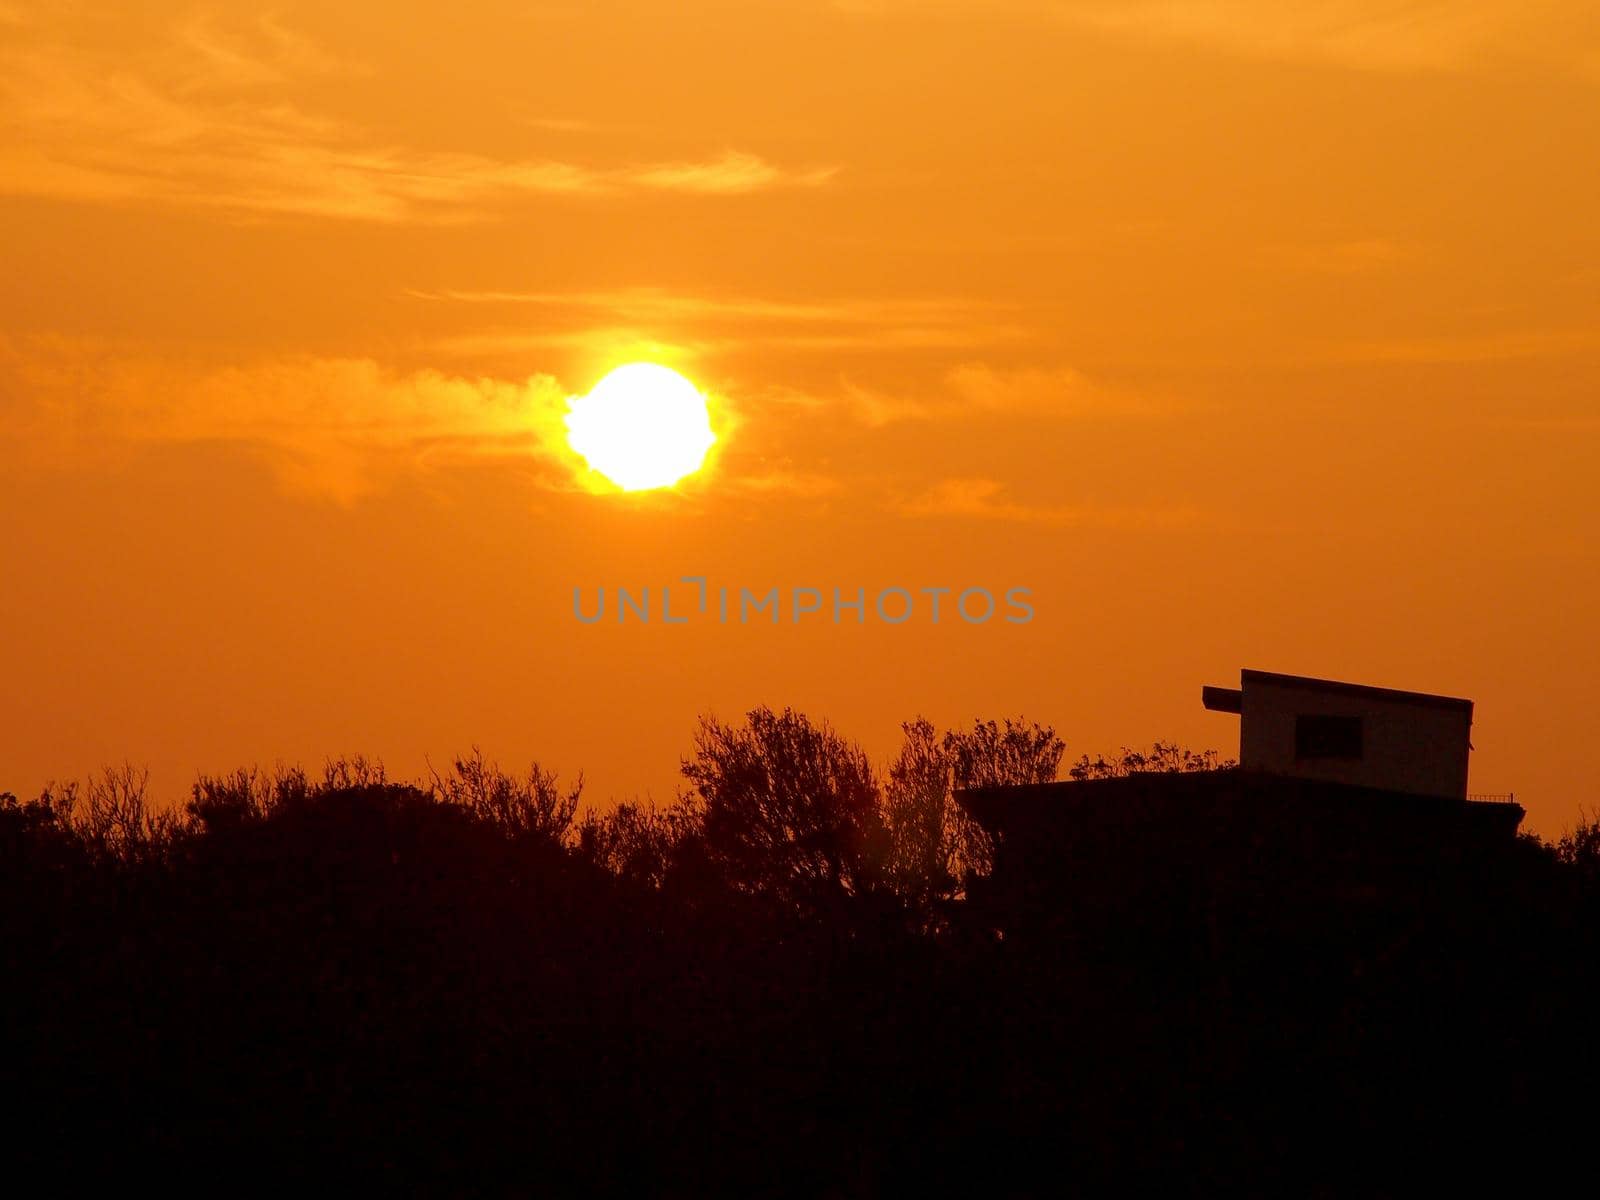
[(791, 808), (1577, 851), (933, 843), (533, 806), (36, 830), (923, 825), (1579, 847), (638, 841)]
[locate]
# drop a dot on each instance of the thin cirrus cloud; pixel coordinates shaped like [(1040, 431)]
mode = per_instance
[(664, 319), (1400, 36), (988, 500), (269, 53), (665, 304), (980, 391), (631, 339), (1419, 35), (209, 121)]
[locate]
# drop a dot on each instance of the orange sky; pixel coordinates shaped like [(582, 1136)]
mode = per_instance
[(1242, 333)]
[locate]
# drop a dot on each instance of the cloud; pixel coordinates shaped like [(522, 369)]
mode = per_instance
[(1051, 391), (262, 53), (678, 324), (207, 121), (785, 481), (873, 407), (1365, 34), (655, 303), (986, 499), (876, 408), (828, 323), (730, 174), (335, 427), (1369, 35), (979, 391)]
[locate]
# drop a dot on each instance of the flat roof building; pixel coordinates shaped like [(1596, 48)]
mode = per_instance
[(1344, 794), (1372, 737)]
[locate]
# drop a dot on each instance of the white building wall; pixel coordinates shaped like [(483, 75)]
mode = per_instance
[(1407, 745)]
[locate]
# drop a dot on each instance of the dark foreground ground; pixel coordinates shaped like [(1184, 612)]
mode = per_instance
[(371, 986)]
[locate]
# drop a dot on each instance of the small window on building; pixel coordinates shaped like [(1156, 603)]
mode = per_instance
[(1318, 736)]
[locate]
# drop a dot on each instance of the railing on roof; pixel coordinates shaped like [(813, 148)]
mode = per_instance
[(1492, 797)]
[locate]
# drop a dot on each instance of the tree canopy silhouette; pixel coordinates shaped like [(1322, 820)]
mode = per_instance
[(933, 844), (771, 984), (790, 807)]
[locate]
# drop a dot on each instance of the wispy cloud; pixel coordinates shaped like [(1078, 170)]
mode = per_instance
[(262, 53), (337, 427), (987, 500), (1365, 34), (731, 173), (719, 323), (978, 391), (1063, 392), (208, 119), (1370, 35), (655, 303), (937, 318), (786, 481)]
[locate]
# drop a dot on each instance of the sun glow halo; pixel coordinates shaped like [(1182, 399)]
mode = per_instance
[(642, 426)]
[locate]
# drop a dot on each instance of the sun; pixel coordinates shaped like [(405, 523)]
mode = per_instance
[(642, 426)]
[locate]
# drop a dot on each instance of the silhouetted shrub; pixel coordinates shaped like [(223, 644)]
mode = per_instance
[(229, 801), (1161, 757), (111, 816)]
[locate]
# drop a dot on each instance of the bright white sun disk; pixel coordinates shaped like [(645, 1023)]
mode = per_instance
[(642, 426)]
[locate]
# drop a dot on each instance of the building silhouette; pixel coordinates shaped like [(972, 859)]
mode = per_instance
[(1345, 797), (1373, 737)]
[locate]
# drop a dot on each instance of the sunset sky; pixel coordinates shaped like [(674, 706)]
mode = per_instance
[(1243, 334)]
